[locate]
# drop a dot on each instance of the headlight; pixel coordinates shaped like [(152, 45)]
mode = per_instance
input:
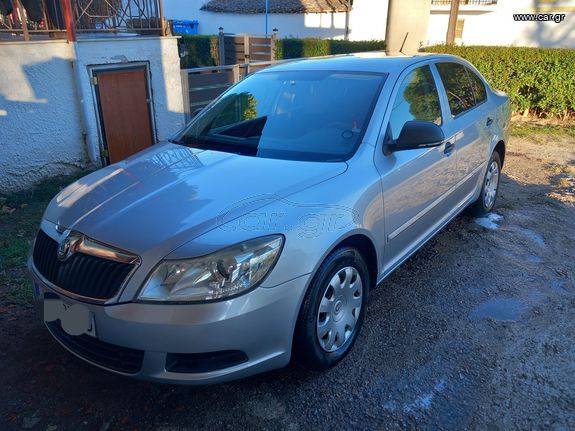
[(228, 272)]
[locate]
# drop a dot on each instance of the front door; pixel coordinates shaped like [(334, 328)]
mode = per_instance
[(415, 182), (124, 109)]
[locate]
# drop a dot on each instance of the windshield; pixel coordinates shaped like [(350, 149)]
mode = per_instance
[(298, 115)]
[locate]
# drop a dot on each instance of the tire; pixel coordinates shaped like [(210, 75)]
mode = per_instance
[(486, 200), (340, 309)]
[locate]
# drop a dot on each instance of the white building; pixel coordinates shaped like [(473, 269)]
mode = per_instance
[(481, 22), (292, 18), (491, 22)]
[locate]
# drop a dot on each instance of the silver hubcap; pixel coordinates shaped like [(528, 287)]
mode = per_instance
[(491, 183), (339, 309)]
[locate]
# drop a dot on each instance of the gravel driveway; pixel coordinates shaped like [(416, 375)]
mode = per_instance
[(475, 331)]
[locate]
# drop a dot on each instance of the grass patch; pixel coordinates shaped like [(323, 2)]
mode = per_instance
[(526, 130), (13, 252), (19, 221), (19, 293)]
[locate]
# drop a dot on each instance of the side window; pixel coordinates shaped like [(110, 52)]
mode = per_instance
[(417, 99), (478, 87), (457, 86)]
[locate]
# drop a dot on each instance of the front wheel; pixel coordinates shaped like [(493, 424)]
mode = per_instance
[(333, 309), (486, 200)]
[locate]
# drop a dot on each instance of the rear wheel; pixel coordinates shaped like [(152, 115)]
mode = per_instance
[(333, 309), (486, 200)]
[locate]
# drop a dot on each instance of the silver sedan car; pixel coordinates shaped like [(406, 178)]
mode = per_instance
[(256, 234)]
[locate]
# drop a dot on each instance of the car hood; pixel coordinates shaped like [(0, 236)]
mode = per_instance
[(159, 199)]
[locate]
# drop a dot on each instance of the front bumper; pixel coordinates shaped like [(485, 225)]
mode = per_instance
[(259, 324)]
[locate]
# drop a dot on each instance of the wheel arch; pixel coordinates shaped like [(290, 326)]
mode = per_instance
[(364, 244), (366, 247), (500, 148)]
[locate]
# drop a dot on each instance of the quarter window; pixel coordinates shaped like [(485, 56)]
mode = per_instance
[(478, 87), (417, 100), (457, 86)]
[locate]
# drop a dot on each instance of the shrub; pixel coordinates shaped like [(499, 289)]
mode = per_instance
[(202, 51), (539, 81), (310, 47)]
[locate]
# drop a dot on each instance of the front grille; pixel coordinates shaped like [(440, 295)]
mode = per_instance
[(82, 274), (111, 356)]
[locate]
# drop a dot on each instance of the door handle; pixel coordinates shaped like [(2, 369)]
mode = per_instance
[(448, 148), (489, 122)]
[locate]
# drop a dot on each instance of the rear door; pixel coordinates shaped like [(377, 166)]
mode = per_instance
[(415, 182), (467, 124)]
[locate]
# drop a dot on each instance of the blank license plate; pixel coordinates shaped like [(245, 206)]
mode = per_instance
[(76, 319)]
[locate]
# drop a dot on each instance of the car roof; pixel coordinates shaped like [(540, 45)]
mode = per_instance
[(374, 61)]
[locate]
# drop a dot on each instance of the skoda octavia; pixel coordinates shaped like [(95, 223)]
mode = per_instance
[(255, 234)]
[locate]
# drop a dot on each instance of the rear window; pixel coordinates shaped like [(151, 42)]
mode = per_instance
[(457, 86), (296, 115)]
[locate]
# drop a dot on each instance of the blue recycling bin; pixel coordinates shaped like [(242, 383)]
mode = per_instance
[(185, 26)]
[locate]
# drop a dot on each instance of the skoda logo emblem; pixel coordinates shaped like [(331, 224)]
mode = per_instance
[(66, 246)]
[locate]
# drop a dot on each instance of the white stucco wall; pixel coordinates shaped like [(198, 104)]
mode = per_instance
[(494, 25), (407, 23), (40, 118), (367, 21), (39, 133)]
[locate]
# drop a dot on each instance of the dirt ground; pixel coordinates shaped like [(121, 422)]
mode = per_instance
[(475, 331)]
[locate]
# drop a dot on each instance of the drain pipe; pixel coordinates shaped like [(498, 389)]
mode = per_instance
[(347, 12), (89, 141)]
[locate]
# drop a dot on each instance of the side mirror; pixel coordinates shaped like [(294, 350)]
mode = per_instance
[(416, 134)]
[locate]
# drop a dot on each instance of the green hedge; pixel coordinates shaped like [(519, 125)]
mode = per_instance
[(539, 81), (202, 51), (310, 47)]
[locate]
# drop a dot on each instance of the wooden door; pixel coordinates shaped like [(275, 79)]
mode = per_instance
[(124, 108)]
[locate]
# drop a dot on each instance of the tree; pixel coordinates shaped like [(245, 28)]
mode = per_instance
[(453, 13)]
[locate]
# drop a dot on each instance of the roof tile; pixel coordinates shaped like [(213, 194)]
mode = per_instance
[(276, 6)]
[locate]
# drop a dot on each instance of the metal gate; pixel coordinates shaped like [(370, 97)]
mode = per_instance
[(240, 55), (246, 48), (201, 85)]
